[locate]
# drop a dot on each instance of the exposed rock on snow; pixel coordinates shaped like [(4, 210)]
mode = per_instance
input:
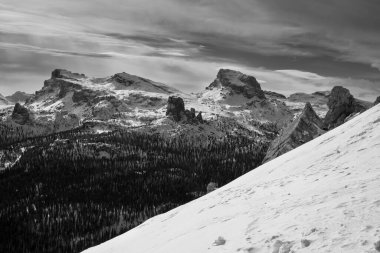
[(377, 245), (238, 83), (219, 241), (20, 114), (326, 190), (305, 243), (305, 128), (212, 186)]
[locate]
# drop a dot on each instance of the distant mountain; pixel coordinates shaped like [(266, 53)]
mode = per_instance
[(233, 102), (238, 83), (3, 100), (239, 95), (318, 100), (111, 99), (19, 97)]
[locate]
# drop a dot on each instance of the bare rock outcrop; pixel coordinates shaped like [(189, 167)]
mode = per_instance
[(20, 114), (176, 110), (63, 73), (238, 83), (341, 105), (377, 101)]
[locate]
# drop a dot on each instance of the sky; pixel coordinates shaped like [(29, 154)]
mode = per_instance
[(183, 43)]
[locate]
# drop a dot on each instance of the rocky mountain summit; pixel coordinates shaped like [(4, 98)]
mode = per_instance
[(238, 83), (341, 105), (304, 128)]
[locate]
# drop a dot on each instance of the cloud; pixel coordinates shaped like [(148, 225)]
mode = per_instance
[(337, 39)]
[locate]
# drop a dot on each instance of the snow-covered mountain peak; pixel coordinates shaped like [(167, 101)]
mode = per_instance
[(238, 83), (320, 197)]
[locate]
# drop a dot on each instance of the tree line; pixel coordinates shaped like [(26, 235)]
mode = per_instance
[(72, 190)]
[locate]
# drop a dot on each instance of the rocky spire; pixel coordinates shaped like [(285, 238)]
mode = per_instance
[(176, 110), (20, 114), (341, 105), (306, 127)]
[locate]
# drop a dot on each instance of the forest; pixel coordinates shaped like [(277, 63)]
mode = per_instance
[(72, 190)]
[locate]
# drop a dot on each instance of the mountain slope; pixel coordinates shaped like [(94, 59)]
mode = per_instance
[(320, 197), (234, 94), (304, 128)]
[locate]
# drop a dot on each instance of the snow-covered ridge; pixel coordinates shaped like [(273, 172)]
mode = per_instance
[(320, 197)]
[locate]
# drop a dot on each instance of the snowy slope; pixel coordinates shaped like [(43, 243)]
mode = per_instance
[(321, 197)]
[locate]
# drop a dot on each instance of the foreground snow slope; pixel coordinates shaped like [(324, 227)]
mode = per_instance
[(325, 194)]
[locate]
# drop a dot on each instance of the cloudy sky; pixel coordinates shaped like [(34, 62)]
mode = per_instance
[(184, 42)]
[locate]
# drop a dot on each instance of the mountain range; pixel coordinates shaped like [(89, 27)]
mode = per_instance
[(86, 159)]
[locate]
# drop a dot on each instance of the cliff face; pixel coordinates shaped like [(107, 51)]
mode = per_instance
[(341, 105), (305, 128), (20, 114), (176, 110), (238, 83)]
